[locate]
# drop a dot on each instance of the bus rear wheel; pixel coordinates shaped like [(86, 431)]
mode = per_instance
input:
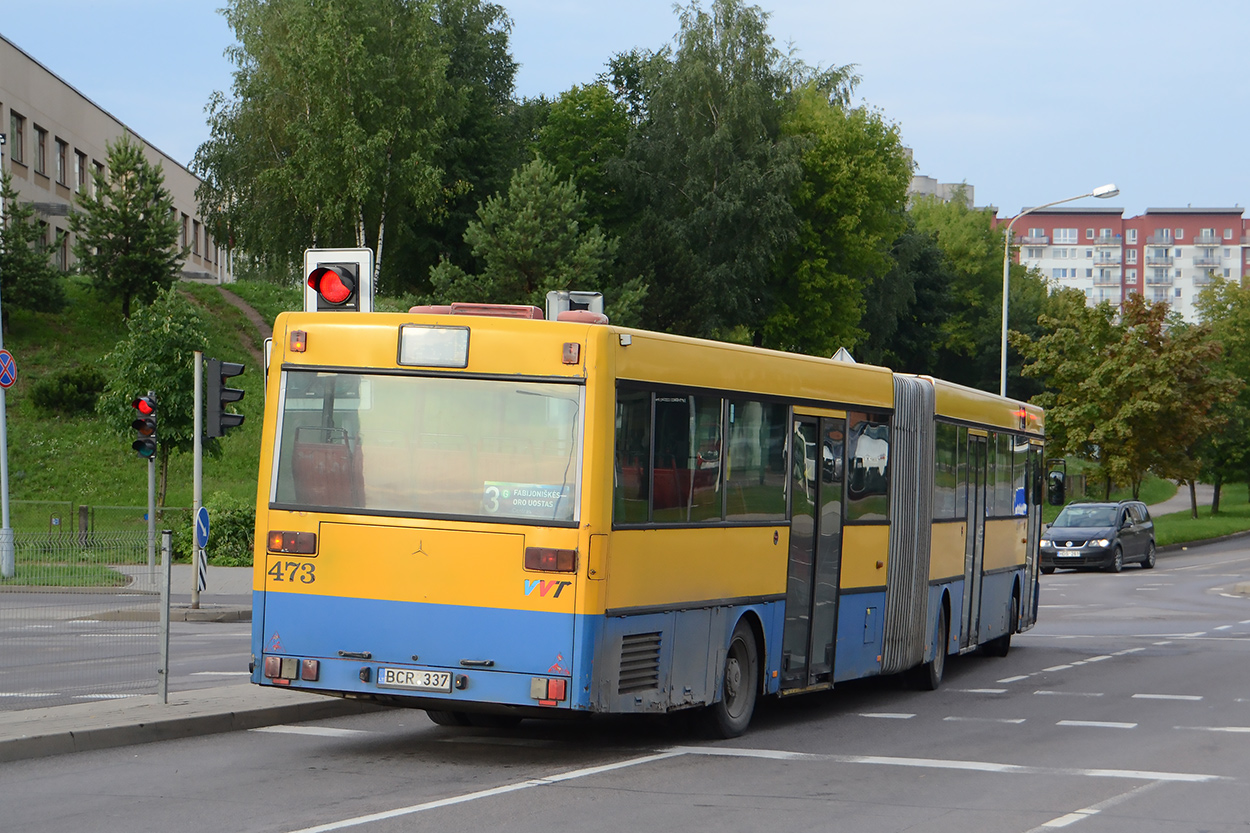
[(1000, 646), (730, 716)]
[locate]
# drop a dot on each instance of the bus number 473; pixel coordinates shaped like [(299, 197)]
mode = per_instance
[(293, 570)]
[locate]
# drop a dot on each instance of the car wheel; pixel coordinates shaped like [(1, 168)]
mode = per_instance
[(1117, 560), (1047, 570), (1148, 563)]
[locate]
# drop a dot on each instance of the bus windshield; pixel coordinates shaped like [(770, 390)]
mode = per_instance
[(422, 446)]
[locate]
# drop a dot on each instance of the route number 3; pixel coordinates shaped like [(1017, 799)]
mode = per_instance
[(302, 571)]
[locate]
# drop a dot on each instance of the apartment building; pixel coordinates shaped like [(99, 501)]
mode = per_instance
[(1165, 254), (56, 136)]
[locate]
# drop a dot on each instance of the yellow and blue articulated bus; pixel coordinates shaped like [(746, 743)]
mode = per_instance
[(493, 517)]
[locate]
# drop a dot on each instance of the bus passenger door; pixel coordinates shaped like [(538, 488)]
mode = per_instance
[(815, 552), (1036, 484), (974, 553)]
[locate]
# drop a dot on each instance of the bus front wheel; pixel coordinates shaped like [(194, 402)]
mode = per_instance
[(740, 683)]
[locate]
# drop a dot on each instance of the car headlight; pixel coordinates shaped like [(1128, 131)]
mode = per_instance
[(1101, 542), (1045, 544)]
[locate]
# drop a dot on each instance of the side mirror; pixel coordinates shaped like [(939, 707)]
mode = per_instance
[(1055, 489)]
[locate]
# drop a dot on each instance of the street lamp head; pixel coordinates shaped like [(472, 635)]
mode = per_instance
[(1104, 192)]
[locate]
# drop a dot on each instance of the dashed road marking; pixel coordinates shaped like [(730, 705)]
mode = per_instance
[(1097, 724), (957, 719), (1191, 697), (1069, 693), (888, 715), (982, 690), (1014, 679)]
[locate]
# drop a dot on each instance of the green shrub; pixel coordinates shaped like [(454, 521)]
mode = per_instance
[(69, 392), (231, 527)]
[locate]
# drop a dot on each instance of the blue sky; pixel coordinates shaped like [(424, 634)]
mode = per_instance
[(1027, 102)]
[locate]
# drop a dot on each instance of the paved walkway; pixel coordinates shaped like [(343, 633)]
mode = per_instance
[(1180, 502)]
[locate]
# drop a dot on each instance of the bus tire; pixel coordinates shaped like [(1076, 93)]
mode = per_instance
[(740, 683), (999, 646), (442, 718), (928, 676)]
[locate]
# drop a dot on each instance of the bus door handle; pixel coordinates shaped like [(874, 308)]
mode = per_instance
[(356, 654), (477, 663)]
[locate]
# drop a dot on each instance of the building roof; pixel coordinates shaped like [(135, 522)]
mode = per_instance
[(1190, 210)]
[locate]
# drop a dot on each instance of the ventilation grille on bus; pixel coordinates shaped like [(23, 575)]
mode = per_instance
[(640, 663)]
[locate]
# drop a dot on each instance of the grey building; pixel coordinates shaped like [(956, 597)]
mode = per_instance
[(55, 138)]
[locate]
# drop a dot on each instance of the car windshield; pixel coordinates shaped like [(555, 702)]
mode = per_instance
[(1086, 516)]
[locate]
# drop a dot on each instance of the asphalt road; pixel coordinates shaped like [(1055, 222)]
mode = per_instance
[(1126, 709)]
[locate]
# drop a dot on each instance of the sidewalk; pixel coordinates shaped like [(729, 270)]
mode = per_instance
[(38, 733), (227, 598), (1180, 502)]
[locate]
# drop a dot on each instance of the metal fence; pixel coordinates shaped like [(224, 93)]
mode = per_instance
[(79, 620)]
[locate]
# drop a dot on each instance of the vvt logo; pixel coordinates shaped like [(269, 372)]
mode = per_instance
[(544, 587)]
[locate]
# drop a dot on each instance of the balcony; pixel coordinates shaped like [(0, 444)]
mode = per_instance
[(1104, 259), (1159, 240), (1109, 280), (1208, 260), (1152, 280), (1108, 240), (1207, 240), (1158, 260), (1026, 240), (1205, 279)]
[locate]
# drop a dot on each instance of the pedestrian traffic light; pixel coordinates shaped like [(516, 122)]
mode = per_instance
[(338, 280), (145, 426), (217, 396)]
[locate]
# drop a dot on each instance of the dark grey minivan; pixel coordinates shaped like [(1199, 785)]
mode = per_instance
[(1100, 536)]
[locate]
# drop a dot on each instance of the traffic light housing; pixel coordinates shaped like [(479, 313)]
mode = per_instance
[(217, 397), (145, 426), (338, 280)]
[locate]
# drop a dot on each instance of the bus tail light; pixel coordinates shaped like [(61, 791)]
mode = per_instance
[(548, 690), (551, 560), (299, 543)]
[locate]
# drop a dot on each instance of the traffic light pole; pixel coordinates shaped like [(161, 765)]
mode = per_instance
[(8, 554), (197, 477), (151, 507)]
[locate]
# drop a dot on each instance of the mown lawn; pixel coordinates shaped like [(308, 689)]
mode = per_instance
[(1180, 527)]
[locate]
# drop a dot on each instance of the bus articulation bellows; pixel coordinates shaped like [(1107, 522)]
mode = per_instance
[(492, 517)]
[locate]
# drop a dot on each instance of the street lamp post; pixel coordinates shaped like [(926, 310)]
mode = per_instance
[(1102, 192)]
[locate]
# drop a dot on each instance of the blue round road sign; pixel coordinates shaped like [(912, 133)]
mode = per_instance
[(8, 369), (201, 527)]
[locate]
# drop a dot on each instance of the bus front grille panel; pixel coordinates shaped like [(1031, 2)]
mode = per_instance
[(640, 663), (911, 513)]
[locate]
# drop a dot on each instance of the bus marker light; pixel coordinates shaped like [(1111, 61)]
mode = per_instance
[(290, 667), (299, 543), (299, 341), (310, 670), (538, 688), (366, 674), (572, 352), (555, 689), (551, 560), (462, 682)]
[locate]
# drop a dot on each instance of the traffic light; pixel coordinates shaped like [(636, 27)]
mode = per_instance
[(338, 280), (217, 396), (145, 426)]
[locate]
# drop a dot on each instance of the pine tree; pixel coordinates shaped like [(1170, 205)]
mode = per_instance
[(126, 231), (27, 278)]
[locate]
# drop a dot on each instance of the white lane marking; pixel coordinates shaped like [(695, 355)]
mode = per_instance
[(1047, 692), (1057, 668), (1131, 650), (954, 719), (1167, 697), (315, 731), (473, 796), (889, 715), (982, 690), (1164, 642), (104, 696), (1239, 730), (1244, 622), (1095, 809), (1097, 724), (1224, 628), (1014, 679), (30, 694), (1099, 658), (1140, 589), (926, 763)]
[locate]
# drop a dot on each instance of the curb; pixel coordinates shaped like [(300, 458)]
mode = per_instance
[(178, 613), (174, 727), (1184, 545)]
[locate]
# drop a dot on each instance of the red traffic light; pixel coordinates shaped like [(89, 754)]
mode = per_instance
[(145, 426), (335, 284), (145, 405)]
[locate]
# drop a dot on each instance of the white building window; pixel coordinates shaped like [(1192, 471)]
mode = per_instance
[(1132, 235), (1089, 234), (1180, 234), (1132, 255), (1228, 234), (1065, 236)]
